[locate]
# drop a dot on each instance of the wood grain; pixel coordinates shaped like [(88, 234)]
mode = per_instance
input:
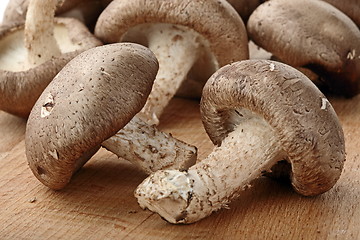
[(99, 202)]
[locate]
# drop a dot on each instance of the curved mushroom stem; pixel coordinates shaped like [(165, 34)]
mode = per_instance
[(186, 197), (176, 49), (39, 32), (150, 149)]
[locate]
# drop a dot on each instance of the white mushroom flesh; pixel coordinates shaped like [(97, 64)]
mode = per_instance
[(177, 49), (39, 32), (248, 151), (13, 53), (150, 149)]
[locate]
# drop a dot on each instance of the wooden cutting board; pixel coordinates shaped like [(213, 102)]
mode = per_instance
[(99, 202)]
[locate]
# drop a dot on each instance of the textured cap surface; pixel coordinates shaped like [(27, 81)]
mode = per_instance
[(307, 126), (314, 34), (350, 7), (92, 97), (215, 20)]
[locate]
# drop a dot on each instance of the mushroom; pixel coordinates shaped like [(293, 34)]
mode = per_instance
[(257, 113), (243, 7), (182, 34), (326, 41), (85, 11), (40, 42), (92, 97), (150, 149), (27, 66), (350, 7), (308, 73), (15, 11)]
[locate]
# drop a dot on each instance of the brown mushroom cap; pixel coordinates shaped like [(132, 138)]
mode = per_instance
[(350, 7), (313, 34), (217, 21), (21, 87), (92, 97), (308, 128)]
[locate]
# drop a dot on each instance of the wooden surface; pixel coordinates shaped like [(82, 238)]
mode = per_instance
[(99, 202)]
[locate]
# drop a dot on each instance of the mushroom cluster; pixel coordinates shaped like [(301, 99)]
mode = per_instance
[(258, 113), (266, 117), (33, 53), (105, 80), (185, 36)]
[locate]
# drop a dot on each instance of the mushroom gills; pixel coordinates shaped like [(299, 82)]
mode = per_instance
[(13, 54), (178, 49), (216, 180)]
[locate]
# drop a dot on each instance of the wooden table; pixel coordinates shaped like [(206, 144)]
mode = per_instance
[(99, 202)]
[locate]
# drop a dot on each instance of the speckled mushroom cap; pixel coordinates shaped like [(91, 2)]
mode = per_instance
[(308, 128), (216, 20), (313, 34), (21, 88), (92, 97)]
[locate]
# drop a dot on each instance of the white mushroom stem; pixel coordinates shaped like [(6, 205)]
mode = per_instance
[(186, 197), (39, 32), (150, 149), (176, 49)]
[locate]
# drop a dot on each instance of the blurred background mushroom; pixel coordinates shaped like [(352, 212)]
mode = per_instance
[(327, 41), (85, 11), (350, 7), (28, 62)]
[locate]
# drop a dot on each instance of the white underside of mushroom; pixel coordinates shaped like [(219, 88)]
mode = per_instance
[(13, 53), (39, 32), (150, 149), (177, 48), (186, 197), (38, 42)]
